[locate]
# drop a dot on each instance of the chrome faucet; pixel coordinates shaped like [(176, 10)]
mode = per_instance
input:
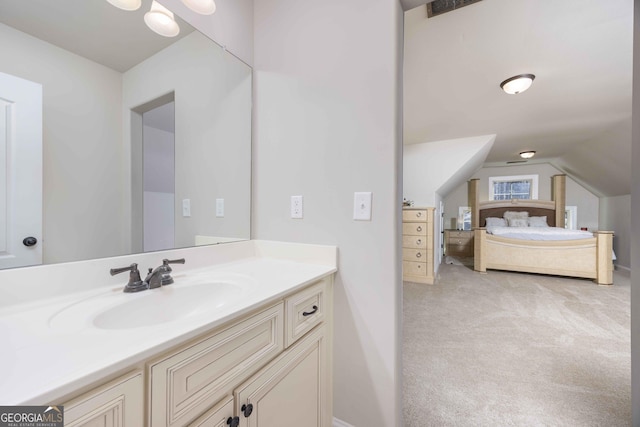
[(161, 276)]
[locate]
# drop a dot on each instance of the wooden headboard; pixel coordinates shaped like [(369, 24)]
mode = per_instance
[(498, 212), (554, 210)]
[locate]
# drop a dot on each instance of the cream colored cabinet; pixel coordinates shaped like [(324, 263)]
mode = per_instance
[(290, 391), (458, 243), (119, 403), (221, 415), (186, 382), (276, 359), (417, 245)]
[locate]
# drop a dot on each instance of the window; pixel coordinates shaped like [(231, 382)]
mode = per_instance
[(513, 187)]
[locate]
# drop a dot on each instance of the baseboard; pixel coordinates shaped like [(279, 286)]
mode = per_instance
[(339, 423), (622, 267)]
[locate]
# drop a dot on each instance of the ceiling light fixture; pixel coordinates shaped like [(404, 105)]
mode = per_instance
[(126, 4), (203, 7), (517, 84), (527, 154), (161, 20)]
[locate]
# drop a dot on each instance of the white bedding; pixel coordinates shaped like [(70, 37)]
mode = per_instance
[(539, 233)]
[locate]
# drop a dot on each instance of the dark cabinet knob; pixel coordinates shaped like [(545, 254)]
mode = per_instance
[(233, 422), (30, 241), (247, 410)]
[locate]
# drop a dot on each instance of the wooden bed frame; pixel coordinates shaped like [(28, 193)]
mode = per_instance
[(588, 258)]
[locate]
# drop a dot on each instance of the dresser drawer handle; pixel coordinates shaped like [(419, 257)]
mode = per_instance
[(419, 214), (418, 255), (419, 241), (419, 228), (309, 313)]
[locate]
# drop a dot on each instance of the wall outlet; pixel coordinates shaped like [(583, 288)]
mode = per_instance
[(186, 208), (362, 206), (219, 208), (296, 207)]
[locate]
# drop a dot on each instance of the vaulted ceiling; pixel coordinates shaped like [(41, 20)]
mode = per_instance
[(577, 113)]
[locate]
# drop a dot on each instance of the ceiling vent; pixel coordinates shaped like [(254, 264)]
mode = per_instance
[(438, 7)]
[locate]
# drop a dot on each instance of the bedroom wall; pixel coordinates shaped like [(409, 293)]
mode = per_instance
[(615, 214), (587, 202)]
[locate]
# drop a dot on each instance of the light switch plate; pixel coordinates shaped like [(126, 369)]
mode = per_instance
[(219, 208), (186, 208), (362, 206), (296, 207)]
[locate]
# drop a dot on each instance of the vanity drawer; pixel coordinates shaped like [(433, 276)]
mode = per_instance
[(411, 268), (119, 402), (414, 229), (414, 215), (414, 242), (417, 255), (304, 311), (183, 384)]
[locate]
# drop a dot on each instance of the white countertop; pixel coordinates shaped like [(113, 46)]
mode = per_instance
[(45, 354)]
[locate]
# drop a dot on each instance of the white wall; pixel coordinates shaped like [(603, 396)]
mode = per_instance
[(327, 124), (212, 132), (587, 202), (81, 154), (441, 166), (615, 215), (635, 226), (230, 26)]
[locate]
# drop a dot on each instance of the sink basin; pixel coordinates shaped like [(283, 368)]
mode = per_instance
[(167, 304), (116, 310)]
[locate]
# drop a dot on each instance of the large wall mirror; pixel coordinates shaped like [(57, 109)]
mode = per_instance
[(146, 140)]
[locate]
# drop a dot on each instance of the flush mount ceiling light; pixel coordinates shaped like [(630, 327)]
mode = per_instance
[(527, 154), (517, 84), (126, 4), (161, 20), (203, 7)]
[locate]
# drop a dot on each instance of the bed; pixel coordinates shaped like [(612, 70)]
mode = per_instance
[(587, 255)]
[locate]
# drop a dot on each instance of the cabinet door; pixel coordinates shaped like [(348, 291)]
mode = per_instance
[(116, 404), (216, 416), (291, 391), (187, 382)]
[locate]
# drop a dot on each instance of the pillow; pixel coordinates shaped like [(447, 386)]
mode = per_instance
[(496, 222), (518, 222), (538, 221), (515, 215)]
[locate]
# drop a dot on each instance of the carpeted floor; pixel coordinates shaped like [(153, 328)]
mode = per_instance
[(512, 349)]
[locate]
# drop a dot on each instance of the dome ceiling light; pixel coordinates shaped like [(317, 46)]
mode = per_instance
[(161, 20), (527, 154), (203, 7), (126, 4), (517, 84)]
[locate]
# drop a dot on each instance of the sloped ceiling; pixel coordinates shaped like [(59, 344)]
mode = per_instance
[(577, 113)]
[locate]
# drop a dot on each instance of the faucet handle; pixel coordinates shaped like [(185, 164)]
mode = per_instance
[(166, 278), (166, 262), (135, 283)]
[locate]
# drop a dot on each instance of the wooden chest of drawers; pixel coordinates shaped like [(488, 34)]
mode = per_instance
[(458, 243), (417, 245)]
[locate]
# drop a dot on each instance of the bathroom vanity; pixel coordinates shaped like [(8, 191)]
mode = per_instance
[(242, 338)]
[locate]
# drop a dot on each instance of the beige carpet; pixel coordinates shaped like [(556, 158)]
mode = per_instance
[(513, 349)]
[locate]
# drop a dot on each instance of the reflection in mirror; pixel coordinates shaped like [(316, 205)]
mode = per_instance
[(146, 140)]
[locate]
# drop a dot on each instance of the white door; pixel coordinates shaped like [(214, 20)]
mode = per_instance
[(20, 172)]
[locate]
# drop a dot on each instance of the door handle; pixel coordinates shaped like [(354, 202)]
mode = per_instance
[(29, 241)]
